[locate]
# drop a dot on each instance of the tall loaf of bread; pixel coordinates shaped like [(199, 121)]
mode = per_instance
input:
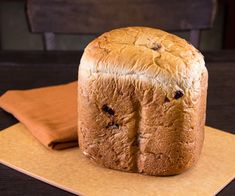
[(142, 101)]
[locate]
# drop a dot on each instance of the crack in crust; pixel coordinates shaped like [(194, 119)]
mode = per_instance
[(138, 116), (174, 60)]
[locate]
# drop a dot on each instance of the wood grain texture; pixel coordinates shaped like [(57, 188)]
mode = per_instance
[(24, 70), (220, 56), (229, 39), (221, 93), (194, 37), (0, 26), (49, 41), (91, 16)]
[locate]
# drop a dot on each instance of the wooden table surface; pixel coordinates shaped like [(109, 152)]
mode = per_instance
[(24, 70)]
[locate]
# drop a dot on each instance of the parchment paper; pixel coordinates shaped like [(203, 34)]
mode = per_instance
[(71, 171)]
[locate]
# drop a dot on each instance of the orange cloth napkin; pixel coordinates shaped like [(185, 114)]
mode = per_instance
[(50, 113)]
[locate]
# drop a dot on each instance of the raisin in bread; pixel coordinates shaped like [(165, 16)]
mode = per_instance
[(142, 101)]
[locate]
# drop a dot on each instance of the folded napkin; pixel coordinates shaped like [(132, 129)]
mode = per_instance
[(49, 113)]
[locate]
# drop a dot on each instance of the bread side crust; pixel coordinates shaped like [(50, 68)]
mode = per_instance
[(156, 135)]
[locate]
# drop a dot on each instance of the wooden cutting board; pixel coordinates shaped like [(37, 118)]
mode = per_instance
[(71, 171)]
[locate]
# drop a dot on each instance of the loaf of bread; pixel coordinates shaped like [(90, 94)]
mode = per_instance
[(142, 101)]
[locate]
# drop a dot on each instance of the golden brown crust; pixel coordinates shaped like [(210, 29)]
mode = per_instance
[(142, 98), (147, 53)]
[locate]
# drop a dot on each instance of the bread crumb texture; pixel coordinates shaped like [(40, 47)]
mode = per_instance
[(142, 101)]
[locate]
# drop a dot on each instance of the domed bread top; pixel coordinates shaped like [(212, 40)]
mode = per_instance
[(147, 54)]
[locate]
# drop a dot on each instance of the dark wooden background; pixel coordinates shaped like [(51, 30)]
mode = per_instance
[(104, 15), (95, 17)]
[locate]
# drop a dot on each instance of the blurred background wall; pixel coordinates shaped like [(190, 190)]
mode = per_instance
[(15, 33)]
